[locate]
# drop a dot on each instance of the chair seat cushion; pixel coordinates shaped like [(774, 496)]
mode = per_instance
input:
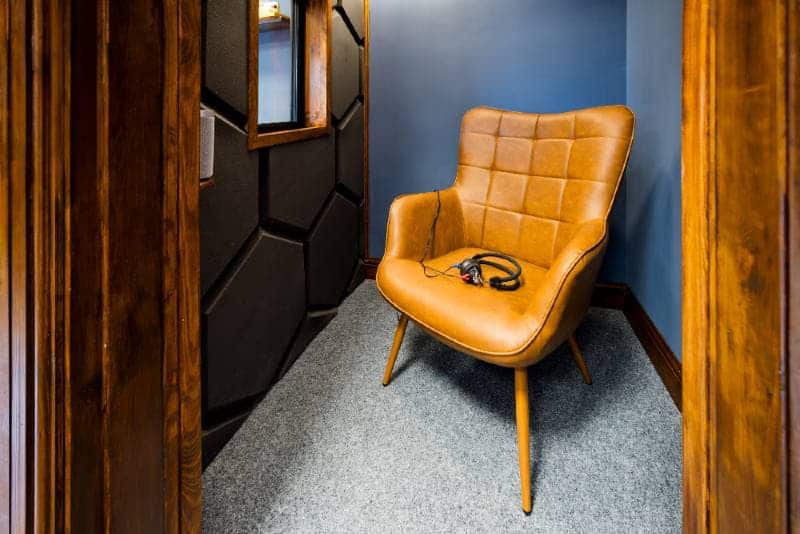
[(477, 320)]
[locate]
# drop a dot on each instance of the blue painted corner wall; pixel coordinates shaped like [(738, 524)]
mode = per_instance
[(432, 60), (653, 181)]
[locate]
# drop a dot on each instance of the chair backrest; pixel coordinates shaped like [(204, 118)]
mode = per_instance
[(527, 180)]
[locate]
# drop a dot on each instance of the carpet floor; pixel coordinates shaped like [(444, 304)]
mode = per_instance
[(331, 450)]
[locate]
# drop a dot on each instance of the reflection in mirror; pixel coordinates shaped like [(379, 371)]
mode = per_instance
[(280, 43)]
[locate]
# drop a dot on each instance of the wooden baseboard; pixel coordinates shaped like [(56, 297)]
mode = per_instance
[(620, 297), (371, 267)]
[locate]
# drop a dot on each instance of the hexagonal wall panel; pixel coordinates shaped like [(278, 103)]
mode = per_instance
[(226, 51), (250, 323), (350, 152), (216, 438), (299, 178), (332, 253), (354, 9), (229, 209), (312, 325), (346, 66)]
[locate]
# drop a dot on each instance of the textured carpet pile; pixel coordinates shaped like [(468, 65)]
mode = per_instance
[(331, 450)]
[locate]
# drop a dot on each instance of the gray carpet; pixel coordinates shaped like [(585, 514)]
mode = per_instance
[(330, 450)]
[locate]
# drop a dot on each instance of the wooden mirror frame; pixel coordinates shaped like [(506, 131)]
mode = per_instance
[(317, 78)]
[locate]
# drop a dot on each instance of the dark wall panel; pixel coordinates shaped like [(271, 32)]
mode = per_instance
[(225, 57), (350, 152), (229, 210), (332, 253), (345, 63), (250, 323), (354, 11), (313, 324), (300, 176), (215, 438), (265, 209)]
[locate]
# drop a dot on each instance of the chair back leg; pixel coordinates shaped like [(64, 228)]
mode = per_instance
[(523, 435), (398, 340), (578, 356)]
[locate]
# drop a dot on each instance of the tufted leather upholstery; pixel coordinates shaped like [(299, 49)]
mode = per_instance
[(536, 186)]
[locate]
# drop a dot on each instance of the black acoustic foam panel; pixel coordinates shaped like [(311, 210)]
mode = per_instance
[(312, 325), (226, 51), (299, 178), (350, 151), (250, 323), (332, 253), (346, 67), (216, 438), (229, 209)]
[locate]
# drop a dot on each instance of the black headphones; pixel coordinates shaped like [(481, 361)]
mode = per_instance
[(471, 272)]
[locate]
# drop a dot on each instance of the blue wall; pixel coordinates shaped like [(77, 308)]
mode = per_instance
[(653, 188), (430, 60)]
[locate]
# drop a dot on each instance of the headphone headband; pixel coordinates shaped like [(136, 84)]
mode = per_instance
[(502, 283)]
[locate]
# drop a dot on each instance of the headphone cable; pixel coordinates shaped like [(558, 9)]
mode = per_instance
[(425, 268)]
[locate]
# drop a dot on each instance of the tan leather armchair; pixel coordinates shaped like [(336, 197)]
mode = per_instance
[(536, 187)]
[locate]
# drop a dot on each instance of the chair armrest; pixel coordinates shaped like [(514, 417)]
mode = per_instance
[(410, 219), (564, 295)]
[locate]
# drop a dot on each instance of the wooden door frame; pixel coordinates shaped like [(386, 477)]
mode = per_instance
[(37, 178), (67, 184), (741, 286)]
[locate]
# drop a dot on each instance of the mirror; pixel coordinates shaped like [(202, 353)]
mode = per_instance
[(279, 52), (288, 71)]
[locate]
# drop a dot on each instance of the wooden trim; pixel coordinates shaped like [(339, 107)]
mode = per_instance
[(620, 297), (793, 265), (662, 357), (182, 371), (13, 209), (317, 66), (698, 153), (735, 252), (609, 295), (371, 267)]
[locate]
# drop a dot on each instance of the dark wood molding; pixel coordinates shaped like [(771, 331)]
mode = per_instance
[(662, 357), (371, 267), (793, 264), (317, 78), (620, 297), (739, 74), (610, 295), (99, 312)]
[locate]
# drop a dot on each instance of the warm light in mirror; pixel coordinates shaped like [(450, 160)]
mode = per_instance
[(268, 9)]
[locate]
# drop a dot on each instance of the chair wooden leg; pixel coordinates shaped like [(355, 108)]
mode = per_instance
[(523, 435), (398, 340), (578, 356)]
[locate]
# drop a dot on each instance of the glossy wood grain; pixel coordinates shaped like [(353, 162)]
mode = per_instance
[(734, 253), (793, 274), (98, 281)]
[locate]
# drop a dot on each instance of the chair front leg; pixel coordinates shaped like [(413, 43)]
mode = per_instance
[(523, 435), (398, 340)]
